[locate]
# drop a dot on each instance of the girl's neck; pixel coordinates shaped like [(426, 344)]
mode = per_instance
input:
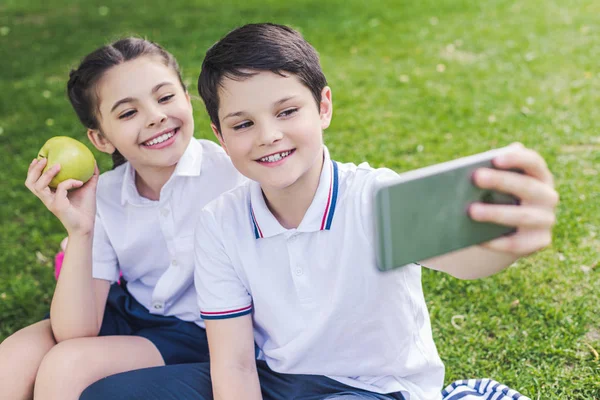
[(289, 205), (149, 181)]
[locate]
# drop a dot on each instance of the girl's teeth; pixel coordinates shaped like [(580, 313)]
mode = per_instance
[(275, 157), (160, 139)]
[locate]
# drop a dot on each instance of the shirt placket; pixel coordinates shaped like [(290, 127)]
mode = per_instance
[(298, 269), (167, 227)]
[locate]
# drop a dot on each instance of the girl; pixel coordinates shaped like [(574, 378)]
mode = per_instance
[(137, 219)]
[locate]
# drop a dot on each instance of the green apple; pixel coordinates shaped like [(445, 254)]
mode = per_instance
[(75, 159)]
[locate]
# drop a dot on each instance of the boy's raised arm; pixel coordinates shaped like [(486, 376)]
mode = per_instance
[(533, 218), (232, 361)]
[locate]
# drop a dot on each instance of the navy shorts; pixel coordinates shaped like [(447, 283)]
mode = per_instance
[(192, 382), (177, 341)]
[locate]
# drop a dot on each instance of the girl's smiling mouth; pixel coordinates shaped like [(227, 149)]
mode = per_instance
[(161, 140)]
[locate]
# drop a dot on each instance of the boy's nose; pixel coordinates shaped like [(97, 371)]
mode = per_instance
[(269, 135)]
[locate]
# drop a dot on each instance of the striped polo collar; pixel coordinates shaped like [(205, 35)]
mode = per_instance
[(190, 164), (319, 215)]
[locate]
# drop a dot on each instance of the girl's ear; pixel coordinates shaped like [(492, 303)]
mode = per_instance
[(100, 141), (326, 107), (219, 137)]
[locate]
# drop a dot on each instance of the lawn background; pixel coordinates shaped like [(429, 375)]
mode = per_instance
[(414, 83)]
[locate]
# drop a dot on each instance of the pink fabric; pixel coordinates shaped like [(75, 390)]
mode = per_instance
[(58, 260)]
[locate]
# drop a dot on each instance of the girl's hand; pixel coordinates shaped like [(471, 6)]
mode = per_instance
[(534, 217), (76, 209)]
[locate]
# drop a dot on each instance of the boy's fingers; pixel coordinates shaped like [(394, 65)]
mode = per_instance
[(528, 189), (522, 216), (529, 161), (515, 244)]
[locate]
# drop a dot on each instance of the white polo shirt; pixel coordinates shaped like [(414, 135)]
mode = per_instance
[(318, 302), (151, 242)]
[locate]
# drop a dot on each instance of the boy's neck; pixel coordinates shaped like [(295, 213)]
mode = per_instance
[(289, 205), (150, 181)]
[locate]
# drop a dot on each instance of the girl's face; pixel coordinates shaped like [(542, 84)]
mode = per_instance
[(144, 113)]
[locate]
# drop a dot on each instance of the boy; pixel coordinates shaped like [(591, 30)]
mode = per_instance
[(288, 260)]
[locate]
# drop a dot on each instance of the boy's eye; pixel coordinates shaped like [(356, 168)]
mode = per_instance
[(243, 125), (166, 98), (127, 114), (288, 112)]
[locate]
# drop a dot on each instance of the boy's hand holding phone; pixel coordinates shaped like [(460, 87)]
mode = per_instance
[(453, 215), (535, 215)]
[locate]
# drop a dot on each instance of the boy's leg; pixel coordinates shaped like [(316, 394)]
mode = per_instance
[(74, 364), (20, 356), (172, 382), (278, 386)]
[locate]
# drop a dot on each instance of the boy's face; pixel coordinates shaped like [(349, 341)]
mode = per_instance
[(272, 129)]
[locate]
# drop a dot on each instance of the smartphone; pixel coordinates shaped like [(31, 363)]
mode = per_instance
[(423, 213)]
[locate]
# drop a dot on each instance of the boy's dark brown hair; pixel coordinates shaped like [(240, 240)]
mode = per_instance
[(258, 47)]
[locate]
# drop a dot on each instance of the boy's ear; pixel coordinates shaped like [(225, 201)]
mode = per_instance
[(219, 137), (100, 141), (326, 107)]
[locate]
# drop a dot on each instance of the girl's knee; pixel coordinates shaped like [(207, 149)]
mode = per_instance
[(27, 346), (64, 360)]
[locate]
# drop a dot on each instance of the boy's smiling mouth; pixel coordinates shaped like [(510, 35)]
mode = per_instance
[(275, 157), (161, 137)]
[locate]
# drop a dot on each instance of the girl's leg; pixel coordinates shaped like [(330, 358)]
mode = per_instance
[(20, 357), (74, 364)]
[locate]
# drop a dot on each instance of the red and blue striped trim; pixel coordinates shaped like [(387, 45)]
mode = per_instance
[(226, 314), (332, 199), (257, 231)]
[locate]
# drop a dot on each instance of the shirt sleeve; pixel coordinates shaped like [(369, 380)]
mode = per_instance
[(221, 293), (105, 264)]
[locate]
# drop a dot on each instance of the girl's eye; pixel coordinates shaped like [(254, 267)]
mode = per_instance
[(287, 113), (243, 125), (127, 114), (166, 98)]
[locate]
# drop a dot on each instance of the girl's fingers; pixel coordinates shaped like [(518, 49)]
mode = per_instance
[(46, 178), (528, 189), (62, 190), (34, 172), (521, 216)]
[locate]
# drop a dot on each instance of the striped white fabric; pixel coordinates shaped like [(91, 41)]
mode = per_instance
[(480, 389)]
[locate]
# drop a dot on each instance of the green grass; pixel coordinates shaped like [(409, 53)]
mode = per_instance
[(414, 83)]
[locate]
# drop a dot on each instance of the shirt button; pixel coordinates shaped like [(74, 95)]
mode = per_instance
[(174, 263), (157, 306), (299, 271), (164, 212)]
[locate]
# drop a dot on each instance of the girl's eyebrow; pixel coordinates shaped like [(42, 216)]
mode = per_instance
[(131, 99)]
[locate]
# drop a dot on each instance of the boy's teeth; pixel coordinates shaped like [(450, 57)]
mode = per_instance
[(275, 157), (160, 139)]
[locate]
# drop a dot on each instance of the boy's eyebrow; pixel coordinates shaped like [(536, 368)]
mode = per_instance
[(277, 103), (130, 99)]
